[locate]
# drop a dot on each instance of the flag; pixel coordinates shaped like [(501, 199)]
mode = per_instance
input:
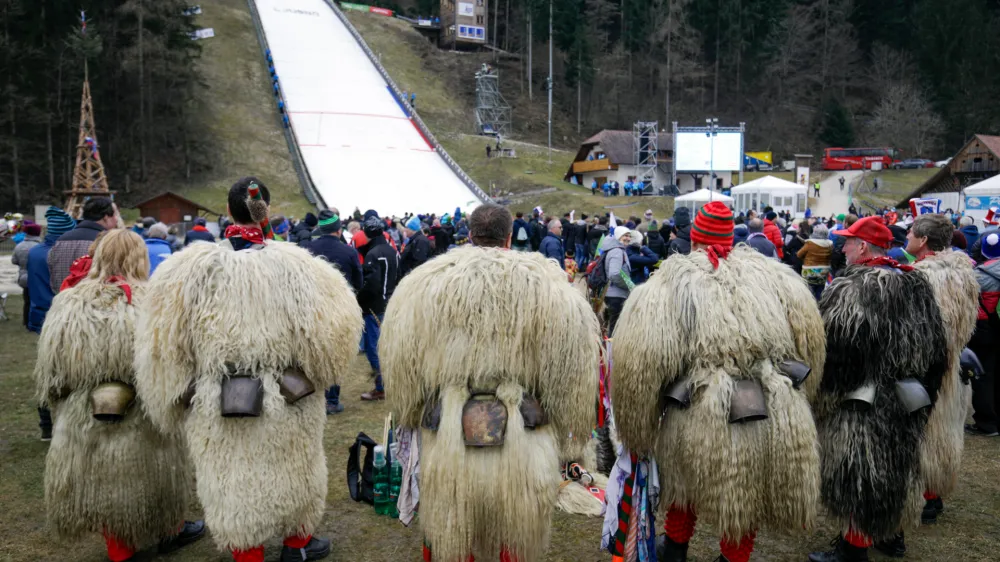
[(83, 22), (612, 223), (924, 206), (992, 218)]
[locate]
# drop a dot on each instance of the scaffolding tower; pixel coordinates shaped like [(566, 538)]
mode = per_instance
[(645, 143), (89, 179), (492, 111)]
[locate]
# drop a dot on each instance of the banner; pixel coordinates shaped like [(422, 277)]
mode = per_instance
[(466, 9), (471, 32), (802, 177), (356, 7), (924, 206), (380, 11)]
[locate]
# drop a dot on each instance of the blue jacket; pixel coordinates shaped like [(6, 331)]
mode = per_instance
[(342, 256), (158, 251), (640, 258), (39, 290), (971, 234), (552, 248), (518, 225), (762, 245)]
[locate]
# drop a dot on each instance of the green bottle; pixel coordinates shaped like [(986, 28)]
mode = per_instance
[(395, 481), (383, 505)]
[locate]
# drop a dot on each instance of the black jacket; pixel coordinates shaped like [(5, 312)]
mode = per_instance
[(301, 234), (198, 236), (568, 234), (415, 254), (444, 236), (341, 256), (656, 243), (538, 231), (791, 253), (594, 238), (581, 231), (381, 273), (681, 244)]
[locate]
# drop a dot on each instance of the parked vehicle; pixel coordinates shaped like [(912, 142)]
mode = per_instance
[(913, 164), (858, 158), (942, 163)]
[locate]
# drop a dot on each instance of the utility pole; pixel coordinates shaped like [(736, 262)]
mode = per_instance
[(712, 130), (550, 81)]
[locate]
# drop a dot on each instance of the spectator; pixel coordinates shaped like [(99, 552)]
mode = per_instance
[(680, 241), (641, 259), (522, 233), (815, 255), (569, 264), (838, 260), (175, 243), (489, 149), (32, 238), (417, 250), (280, 228), (568, 232), (99, 214), (655, 240), (381, 273), (552, 245), (740, 231), (199, 232), (619, 274), (795, 240), (644, 226), (896, 251), (157, 246), (443, 236), (598, 231), (774, 234), (758, 240), (958, 241), (593, 183), (538, 229), (331, 247), (969, 229), (353, 227), (40, 287), (301, 233), (985, 340), (579, 243)]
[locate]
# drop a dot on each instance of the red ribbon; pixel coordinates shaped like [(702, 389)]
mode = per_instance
[(251, 234), (716, 252), (885, 261), (120, 282)]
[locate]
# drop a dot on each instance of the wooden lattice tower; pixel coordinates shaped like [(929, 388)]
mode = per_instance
[(89, 179)]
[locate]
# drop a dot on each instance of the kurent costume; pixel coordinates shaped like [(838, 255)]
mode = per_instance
[(886, 354), (956, 292), (720, 394), (220, 323), (108, 469), (496, 392)]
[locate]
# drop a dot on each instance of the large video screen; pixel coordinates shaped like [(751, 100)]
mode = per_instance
[(693, 152)]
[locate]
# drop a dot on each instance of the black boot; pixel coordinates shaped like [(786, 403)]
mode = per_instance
[(932, 508), (670, 551), (842, 552), (894, 547), (190, 532), (317, 549)]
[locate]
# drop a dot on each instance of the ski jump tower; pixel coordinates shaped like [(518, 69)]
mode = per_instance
[(492, 111), (645, 142)]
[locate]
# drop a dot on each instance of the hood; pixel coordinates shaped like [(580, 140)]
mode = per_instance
[(970, 230), (824, 243), (684, 233), (610, 243)]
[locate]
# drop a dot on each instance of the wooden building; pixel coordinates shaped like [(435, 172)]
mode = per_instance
[(610, 156), (978, 160), (170, 208)]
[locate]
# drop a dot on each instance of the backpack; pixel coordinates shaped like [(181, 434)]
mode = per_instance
[(597, 275), (522, 234), (361, 481)]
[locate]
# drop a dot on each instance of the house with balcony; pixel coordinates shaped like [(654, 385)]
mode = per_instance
[(610, 156), (978, 160)]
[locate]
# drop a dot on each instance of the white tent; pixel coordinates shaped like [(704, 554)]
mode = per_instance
[(697, 199), (981, 196), (770, 191)]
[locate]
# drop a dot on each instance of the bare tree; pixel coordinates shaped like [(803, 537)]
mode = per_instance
[(905, 119), (889, 66)]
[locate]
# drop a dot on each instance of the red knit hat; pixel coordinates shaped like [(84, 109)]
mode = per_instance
[(713, 224)]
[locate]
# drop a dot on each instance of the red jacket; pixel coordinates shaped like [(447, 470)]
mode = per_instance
[(773, 233)]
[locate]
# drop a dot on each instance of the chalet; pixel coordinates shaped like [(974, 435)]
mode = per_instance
[(978, 160), (170, 208), (610, 156)]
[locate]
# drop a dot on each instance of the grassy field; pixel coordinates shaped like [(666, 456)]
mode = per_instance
[(238, 113), (894, 185), (966, 531)]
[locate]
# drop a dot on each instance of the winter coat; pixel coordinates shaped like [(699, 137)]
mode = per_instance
[(538, 232), (792, 247), (176, 244), (615, 262), (581, 232), (70, 246), (816, 253), (20, 258), (681, 244), (552, 248), (518, 225), (158, 250), (416, 252), (655, 242), (198, 234), (838, 261), (39, 284), (773, 234), (569, 234), (988, 277), (381, 273), (758, 241), (971, 233), (301, 234), (594, 238), (341, 256), (639, 258)]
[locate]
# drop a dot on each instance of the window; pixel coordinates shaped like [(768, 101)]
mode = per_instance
[(479, 3), (479, 20)]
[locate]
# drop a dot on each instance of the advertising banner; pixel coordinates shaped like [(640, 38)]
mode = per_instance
[(802, 177), (355, 7), (466, 9), (381, 11)]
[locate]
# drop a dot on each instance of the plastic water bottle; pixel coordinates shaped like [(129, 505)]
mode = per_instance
[(383, 505), (395, 481)]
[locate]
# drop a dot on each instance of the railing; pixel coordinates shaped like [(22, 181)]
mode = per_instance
[(305, 180), (469, 182), (593, 166)]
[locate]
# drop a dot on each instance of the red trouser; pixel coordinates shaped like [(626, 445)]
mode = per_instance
[(505, 556), (256, 554), (679, 526), (118, 551)]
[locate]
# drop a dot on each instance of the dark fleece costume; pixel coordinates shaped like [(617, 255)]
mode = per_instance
[(881, 326)]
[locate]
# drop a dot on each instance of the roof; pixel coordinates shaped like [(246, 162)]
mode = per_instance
[(619, 146), (180, 198), (767, 183), (990, 142), (700, 195)]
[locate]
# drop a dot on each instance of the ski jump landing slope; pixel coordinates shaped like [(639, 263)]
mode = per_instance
[(358, 143)]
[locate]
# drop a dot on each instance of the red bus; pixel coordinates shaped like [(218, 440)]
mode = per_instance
[(858, 158)]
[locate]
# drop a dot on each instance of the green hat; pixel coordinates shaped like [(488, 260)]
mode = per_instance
[(840, 217)]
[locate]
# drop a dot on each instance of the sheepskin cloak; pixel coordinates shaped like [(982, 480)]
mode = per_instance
[(882, 326), (718, 326), (125, 478), (262, 310), (957, 294), (491, 319)]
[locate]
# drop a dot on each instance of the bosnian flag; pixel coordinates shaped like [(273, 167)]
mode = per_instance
[(924, 206)]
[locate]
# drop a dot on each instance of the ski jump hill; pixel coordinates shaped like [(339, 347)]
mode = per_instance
[(356, 144)]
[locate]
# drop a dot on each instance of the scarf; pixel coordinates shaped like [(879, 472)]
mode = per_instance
[(252, 234), (885, 261)]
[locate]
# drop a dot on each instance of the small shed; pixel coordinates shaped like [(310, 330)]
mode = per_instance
[(170, 208), (697, 199), (770, 191)]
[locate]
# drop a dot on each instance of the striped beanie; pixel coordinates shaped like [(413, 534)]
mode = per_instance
[(713, 224), (58, 222)]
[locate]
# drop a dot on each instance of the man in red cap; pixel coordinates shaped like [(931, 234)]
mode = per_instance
[(724, 409), (886, 353)]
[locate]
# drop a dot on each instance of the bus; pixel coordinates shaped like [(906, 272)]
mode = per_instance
[(858, 158)]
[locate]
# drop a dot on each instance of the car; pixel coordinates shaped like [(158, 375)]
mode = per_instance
[(942, 163), (913, 163)]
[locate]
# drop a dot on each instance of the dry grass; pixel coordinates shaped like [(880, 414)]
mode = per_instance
[(966, 532), (894, 185)]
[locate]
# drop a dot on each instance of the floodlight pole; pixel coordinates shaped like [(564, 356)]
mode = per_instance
[(550, 81), (712, 130)]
